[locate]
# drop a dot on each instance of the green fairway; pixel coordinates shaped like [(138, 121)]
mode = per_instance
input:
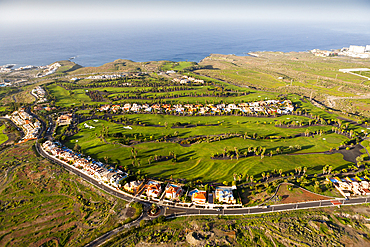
[(3, 137), (176, 65), (195, 162), (65, 98), (203, 138)]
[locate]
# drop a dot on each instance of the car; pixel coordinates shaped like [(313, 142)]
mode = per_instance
[(218, 209)]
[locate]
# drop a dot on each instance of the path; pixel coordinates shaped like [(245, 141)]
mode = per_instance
[(331, 99), (105, 237)]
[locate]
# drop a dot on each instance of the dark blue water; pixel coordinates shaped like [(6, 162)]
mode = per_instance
[(96, 44)]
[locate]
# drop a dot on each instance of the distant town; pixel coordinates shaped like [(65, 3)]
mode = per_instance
[(351, 51)]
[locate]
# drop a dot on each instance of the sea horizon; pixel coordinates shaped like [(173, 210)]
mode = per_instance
[(100, 43)]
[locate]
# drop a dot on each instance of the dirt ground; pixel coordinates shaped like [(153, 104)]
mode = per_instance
[(297, 194)]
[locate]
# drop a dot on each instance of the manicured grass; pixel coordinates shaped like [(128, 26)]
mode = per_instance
[(176, 65), (120, 89), (83, 111), (3, 137), (195, 162), (65, 98)]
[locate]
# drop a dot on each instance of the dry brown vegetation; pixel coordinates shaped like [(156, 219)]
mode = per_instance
[(40, 203)]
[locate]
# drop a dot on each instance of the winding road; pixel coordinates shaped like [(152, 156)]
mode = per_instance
[(180, 211), (177, 211)]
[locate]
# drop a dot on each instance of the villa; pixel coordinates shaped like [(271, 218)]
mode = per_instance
[(198, 196), (356, 186), (173, 192), (64, 119), (133, 186), (154, 189), (225, 194)]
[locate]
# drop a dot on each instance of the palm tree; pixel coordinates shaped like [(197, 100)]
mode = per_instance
[(299, 170), (304, 170), (154, 208), (330, 168), (307, 132)]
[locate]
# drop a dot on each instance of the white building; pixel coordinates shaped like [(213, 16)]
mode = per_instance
[(357, 49)]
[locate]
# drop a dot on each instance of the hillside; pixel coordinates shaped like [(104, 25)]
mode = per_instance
[(296, 72)]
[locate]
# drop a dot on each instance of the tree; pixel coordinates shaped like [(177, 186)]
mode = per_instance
[(280, 171), (206, 187), (304, 170), (154, 208), (299, 170), (77, 148), (330, 168), (359, 159)]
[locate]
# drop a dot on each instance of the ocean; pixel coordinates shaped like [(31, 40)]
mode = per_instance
[(94, 44)]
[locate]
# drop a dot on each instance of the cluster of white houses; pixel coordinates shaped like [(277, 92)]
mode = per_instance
[(351, 51), (264, 107), (356, 51), (96, 169), (30, 125), (49, 69), (356, 186), (104, 77), (146, 189), (39, 93), (187, 79)]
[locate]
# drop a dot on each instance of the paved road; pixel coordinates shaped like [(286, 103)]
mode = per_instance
[(102, 239), (175, 212), (84, 176), (172, 211)]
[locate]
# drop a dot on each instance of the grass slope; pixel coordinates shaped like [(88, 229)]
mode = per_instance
[(42, 204), (194, 162), (3, 137)]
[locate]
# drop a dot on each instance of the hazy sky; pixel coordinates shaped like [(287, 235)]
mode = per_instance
[(60, 11)]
